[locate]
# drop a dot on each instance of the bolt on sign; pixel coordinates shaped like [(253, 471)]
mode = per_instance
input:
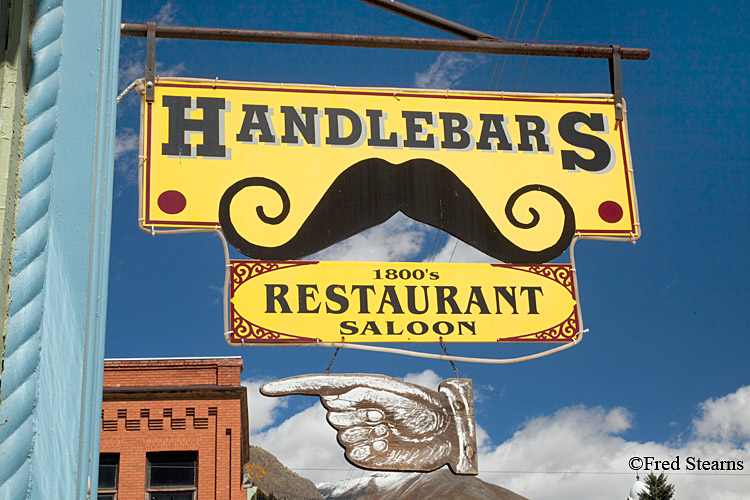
[(288, 170), (303, 302)]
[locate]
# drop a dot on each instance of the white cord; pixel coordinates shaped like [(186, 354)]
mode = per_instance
[(126, 91), (493, 361)]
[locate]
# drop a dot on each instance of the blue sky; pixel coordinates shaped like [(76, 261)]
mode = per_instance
[(664, 369)]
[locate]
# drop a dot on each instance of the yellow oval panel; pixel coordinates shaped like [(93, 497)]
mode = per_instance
[(369, 302)]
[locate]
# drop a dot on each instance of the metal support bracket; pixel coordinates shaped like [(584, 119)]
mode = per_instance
[(150, 60), (431, 19), (615, 79)]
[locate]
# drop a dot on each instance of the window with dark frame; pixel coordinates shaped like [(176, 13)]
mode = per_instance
[(172, 475), (109, 466)]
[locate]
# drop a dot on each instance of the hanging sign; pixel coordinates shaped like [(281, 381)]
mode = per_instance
[(387, 424), (288, 170), (303, 302)]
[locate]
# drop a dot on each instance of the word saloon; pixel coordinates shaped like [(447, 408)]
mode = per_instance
[(306, 301), (264, 162)]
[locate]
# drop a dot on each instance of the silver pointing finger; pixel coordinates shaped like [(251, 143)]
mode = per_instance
[(360, 452), (355, 434), (359, 434), (355, 417)]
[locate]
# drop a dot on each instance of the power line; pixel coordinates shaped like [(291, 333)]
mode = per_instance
[(535, 38), (515, 32), (507, 32), (569, 472), (504, 471)]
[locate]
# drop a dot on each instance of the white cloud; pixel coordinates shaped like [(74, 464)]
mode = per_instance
[(574, 439), (218, 291), (446, 71), (126, 142), (458, 251), (132, 62), (576, 452), (133, 66), (306, 444), (262, 410), (486, 391), (566, 455), (167, 14), (126, 163), (427, 378), (726, 418), (398, 239)]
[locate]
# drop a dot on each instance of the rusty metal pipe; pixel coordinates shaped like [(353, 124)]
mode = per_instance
[(430, 19), (385, 42)]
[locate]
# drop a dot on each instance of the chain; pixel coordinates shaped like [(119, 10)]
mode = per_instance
[(446, 353), (328, 370)]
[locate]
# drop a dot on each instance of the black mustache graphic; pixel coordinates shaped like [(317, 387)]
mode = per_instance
[(371, 191)]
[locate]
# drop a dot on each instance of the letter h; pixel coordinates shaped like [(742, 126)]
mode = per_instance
[(178, 125)]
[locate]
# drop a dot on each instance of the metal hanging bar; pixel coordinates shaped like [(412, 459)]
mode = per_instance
[(385, 42), (150, 60), (615, 80), (430, 19)]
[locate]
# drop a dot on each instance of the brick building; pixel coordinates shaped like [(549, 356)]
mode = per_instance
[(173, 429)]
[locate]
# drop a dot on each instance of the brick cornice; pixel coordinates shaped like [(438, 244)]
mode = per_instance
[(188, 392)]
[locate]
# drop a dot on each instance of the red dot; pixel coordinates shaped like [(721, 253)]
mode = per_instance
[(172, 202), (610, 211)]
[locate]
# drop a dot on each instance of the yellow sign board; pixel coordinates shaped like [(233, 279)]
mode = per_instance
[(287, 170), (302, 302)]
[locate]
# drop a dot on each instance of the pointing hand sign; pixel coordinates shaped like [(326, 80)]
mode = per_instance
[(386, 424)]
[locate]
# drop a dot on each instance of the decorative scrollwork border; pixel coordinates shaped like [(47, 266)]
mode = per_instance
[(243, 270), (565, 331), (246, 331), (561, 274)]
